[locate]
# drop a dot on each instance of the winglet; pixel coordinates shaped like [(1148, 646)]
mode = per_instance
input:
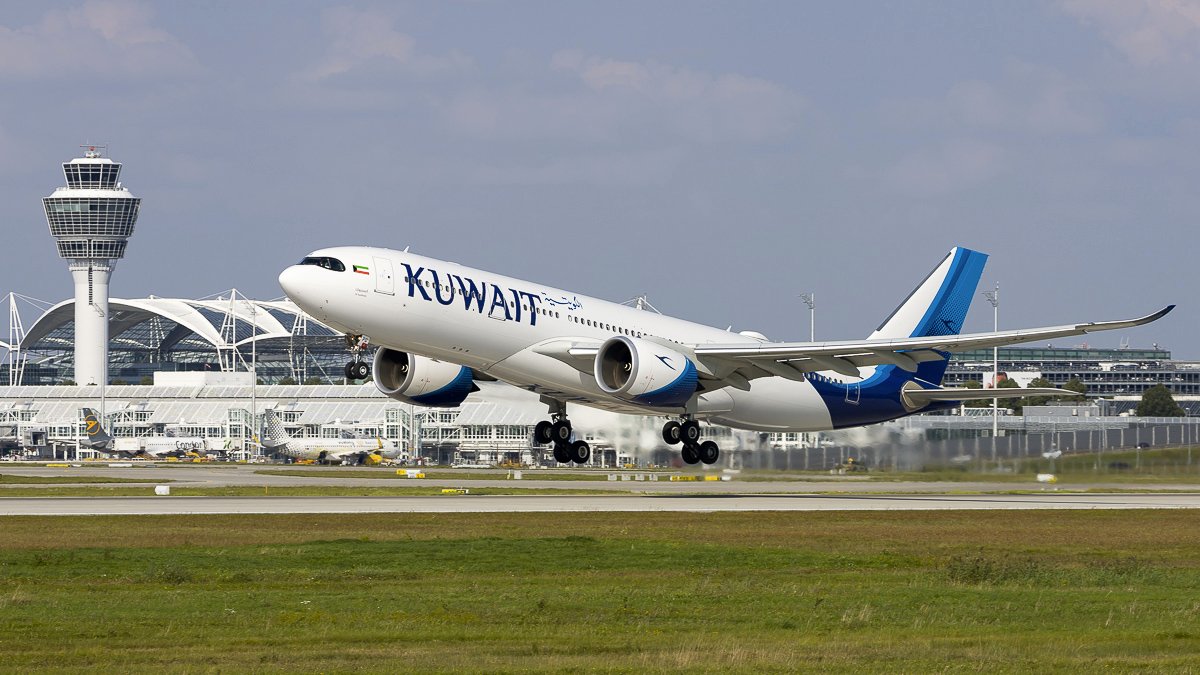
[(1130, 323)]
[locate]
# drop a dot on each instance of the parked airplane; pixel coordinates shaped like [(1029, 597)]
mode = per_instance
[(325, 450), (141, 446), (97, 437), (440, 326)]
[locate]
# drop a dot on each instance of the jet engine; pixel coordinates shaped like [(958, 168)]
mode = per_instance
[(644, 372), (421, 380)]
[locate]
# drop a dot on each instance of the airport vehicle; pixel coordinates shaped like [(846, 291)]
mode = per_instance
[(142, 446), (369, 451), (440, 326)]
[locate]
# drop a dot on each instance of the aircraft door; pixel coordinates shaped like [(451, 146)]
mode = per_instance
[(853, 392), (385, 282)]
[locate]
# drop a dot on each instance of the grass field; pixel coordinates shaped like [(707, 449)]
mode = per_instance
[(1065, 591)]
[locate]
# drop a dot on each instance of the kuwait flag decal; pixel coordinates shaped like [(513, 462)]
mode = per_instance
[(362, 269)]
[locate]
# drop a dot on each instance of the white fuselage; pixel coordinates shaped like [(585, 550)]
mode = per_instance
[(418, 305), (329, 449), (162, 446)]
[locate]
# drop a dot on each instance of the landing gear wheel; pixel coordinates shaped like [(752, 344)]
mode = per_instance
[(709, 452), (360, 370), (690, 453), (560, 432), (689, 432), (541, 433), (347, 372), (561, 454), (671, 432), (581, 452)]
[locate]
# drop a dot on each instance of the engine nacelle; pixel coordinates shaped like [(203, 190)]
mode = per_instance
[(421, 380), (644, 372)]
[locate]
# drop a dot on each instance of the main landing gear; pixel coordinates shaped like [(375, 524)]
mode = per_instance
[(557, 430), (694, 450), (357, 369)]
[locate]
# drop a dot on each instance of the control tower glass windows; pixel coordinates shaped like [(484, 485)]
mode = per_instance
[(326, 262), (91, 248), (76, 216), (92, 175)]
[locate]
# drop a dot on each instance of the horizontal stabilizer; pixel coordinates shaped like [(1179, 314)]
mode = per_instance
[(921, 397)]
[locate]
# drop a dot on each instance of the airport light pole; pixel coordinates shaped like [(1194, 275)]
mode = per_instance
[(810, 299), (993, 296), (254, 377)]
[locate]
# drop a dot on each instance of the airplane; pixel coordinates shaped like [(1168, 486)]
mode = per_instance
[(370, 451), (440, 327), (97, 437), (153, 446)]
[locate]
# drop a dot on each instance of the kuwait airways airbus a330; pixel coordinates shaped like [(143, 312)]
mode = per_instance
[(440, 326)]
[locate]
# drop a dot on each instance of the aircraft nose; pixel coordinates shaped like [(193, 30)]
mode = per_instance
[(289, 281)]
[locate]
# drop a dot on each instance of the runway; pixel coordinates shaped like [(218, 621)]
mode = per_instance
[(75, 506), (231, 475)]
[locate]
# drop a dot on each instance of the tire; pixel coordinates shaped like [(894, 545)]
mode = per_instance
[(689, 432), (690, 453), (560, 432), (561, 454), (347, 370), (541, 433), (581, 452), (671, 432), (361, 370), (709, 452)]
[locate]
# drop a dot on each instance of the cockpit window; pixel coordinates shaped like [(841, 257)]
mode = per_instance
[(322, 261)]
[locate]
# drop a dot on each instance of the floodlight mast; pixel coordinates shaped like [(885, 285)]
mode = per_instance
[(810, 299), (91, 218), (993, 296)]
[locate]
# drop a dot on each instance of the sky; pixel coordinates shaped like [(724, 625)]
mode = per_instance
[(722, 158)]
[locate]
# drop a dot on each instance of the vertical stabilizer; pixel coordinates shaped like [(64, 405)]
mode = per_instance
[(97, 437), (276, 436), (938, 306)]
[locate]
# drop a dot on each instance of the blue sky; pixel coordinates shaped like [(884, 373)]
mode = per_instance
[(721, 157)]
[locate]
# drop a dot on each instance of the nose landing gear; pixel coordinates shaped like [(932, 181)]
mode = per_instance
[(557, 430), (693, 451)]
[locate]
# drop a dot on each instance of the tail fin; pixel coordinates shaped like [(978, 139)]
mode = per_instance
[(97, 437), (276, 435), (939, 305)]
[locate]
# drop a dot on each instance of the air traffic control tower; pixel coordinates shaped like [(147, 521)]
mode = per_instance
[(92, 219)]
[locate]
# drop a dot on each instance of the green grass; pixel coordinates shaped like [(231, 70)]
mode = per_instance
[(1168, 465), (1020, 591), (17, 479)]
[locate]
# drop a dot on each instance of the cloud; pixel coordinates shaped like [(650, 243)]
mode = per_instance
[(635, 168), (603, 100), (366, 38), (1148, 32), (101, 38), (949, 167), (702, 106), (1025, 100)]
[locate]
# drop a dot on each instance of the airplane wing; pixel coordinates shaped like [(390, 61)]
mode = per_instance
[(733, 362)]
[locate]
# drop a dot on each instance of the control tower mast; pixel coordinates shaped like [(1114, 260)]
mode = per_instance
[(92, 219)]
